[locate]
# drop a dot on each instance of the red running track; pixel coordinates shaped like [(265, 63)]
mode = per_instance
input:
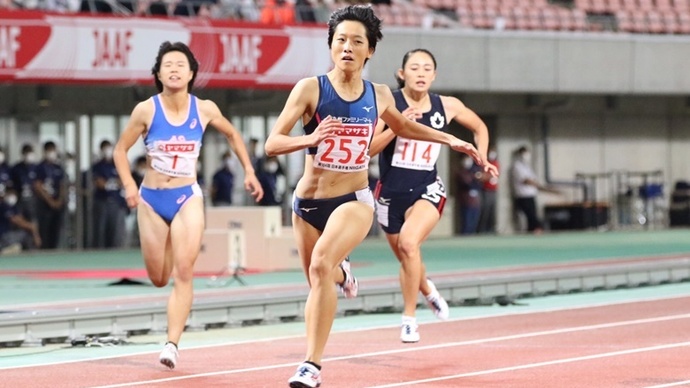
[(640, 344)]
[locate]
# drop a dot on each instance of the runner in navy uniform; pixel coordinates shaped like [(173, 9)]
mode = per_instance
[(410, 195), (333, 205), (170, 210)]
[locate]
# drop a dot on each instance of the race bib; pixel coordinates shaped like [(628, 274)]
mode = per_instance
[(175, 157), (415, 154), (348, 151)]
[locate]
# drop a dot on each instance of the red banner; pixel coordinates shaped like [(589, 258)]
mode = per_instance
[(58, 48)]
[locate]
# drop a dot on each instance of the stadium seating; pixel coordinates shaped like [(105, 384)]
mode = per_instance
[(625, 16)]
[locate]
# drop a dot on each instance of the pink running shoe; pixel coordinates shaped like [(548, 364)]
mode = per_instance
[(350, 286)]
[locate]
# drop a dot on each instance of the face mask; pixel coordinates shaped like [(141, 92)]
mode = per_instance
[(141, 171), (492, 155), (271, 167), (228, 163), (108, 152), (51, 156), (30, 158), (11, 199), (526, 157), (467, 163), (2, 158)]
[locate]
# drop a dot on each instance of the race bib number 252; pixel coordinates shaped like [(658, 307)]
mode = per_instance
[(348, 151)]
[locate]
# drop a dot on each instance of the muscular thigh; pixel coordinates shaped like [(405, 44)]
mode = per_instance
[(347, 226), (305, 237), (153, 235), (186, 231)]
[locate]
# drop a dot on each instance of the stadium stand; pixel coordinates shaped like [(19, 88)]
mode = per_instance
[(626, 16)]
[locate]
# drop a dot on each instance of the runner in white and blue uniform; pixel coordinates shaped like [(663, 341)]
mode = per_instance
[(170, 210)]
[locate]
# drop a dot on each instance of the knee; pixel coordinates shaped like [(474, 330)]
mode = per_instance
[(159, 281), (319, 269), (408, 248), (184, 273)]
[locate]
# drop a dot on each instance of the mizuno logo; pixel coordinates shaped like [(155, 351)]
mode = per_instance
[(368, 108), (307, 209)]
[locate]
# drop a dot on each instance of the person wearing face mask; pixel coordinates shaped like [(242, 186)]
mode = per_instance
[(525, 187), (16, 232), (50, 187), (269, 173), (23, 175), (487, 214), (109, 206), (223, 182), (468, 196), (5, 177)]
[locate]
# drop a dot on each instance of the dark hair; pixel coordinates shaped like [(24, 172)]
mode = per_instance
[(105, 143), (26, 148), (406, 57), (49, 145), (167, 47), (358, 13)]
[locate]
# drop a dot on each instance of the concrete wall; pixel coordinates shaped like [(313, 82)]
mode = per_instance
[(543, 62)]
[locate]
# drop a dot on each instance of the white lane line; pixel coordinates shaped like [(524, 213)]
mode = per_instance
[(539, 364), (676, 384), (429, 347), (498, 313)]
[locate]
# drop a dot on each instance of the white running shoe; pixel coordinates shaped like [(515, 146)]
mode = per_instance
[(350, 286), (436, 302), (306, 376), (408, 332), (169, 355)]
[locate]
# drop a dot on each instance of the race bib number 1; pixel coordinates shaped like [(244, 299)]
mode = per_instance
[(348, 151), (415, 154)]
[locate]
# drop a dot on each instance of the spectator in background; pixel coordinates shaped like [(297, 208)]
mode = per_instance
[(468, 196), (269, 172), (304, 11), (321, 11), (23, 176), (223, 182), (16, 232), (487, 216), (278, 12), (253, 154), (5, 177), (109, 206), (249, 11), (50, 187), (525, 187), (139, 170)]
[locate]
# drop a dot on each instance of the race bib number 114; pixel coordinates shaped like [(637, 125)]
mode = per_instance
[(415, 154)]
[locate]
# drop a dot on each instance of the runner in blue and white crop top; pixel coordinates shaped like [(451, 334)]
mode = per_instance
[(174, 149)]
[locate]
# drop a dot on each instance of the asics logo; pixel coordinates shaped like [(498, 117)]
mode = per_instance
[(368, 108), (193, 124), (307, 209), (181, 199)]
